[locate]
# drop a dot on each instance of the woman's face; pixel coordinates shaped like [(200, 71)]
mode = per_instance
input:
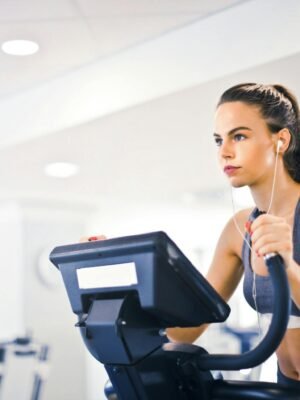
[(244, 140)]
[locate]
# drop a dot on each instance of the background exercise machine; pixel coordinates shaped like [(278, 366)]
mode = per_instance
[(23, 369)]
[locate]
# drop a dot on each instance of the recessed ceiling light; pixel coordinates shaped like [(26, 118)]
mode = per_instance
[(61, 170), (20, 47)]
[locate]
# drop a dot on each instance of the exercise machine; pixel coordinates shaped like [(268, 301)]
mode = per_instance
[(126, 291), (23, 369)]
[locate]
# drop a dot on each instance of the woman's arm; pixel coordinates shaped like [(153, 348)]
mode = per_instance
[(224, 274)]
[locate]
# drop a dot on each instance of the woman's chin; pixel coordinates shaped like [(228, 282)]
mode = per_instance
[(237, 183)]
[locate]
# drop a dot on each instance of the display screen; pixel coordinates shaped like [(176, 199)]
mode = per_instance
[(105, 276)]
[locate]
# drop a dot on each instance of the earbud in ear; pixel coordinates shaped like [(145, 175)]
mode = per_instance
[(279, 144)]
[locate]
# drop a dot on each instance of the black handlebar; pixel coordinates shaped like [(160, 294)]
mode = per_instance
[(276, 331)]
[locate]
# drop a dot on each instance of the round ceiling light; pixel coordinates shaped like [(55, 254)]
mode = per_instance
[(61, 170), (20, 47)]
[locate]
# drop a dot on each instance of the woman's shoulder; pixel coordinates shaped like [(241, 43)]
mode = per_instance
[(243, 215), (239, 219)]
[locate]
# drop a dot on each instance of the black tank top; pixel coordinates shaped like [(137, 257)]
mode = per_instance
[(264, 289)]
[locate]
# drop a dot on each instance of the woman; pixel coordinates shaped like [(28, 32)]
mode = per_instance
[(250, 120)]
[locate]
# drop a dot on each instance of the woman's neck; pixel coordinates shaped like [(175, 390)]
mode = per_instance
[(285, 197)]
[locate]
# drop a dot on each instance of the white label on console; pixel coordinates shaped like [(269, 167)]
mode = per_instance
[(105, 276)]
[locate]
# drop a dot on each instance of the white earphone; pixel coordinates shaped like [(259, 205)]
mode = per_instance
[(279, 144)]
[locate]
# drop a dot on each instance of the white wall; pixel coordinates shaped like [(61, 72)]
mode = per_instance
[(33, 299), (11, 272)]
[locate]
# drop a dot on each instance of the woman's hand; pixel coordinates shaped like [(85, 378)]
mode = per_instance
[(92, 238), (272, 234)]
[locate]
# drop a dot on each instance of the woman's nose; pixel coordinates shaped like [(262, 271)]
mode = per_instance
[(226, 150)]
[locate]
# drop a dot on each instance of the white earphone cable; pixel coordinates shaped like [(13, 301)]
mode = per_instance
[(254, 293)]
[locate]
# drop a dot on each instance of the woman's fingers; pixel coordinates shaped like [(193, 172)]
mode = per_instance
[(92, 238)]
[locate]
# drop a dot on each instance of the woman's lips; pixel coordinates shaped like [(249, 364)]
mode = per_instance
[(230, 170)]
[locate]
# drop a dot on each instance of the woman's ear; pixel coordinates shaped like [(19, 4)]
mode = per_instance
[(283, 140)]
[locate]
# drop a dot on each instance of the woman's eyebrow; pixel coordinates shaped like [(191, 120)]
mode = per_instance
[(232, 131)]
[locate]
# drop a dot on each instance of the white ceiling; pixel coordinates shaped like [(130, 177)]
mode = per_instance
[(72, 33), (157, 151), (154, 151)]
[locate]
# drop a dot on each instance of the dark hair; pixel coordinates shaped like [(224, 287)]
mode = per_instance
[(279, 107)]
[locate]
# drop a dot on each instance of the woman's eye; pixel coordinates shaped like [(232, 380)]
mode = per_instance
[(239, 135), (218, 142), (236, 137)]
